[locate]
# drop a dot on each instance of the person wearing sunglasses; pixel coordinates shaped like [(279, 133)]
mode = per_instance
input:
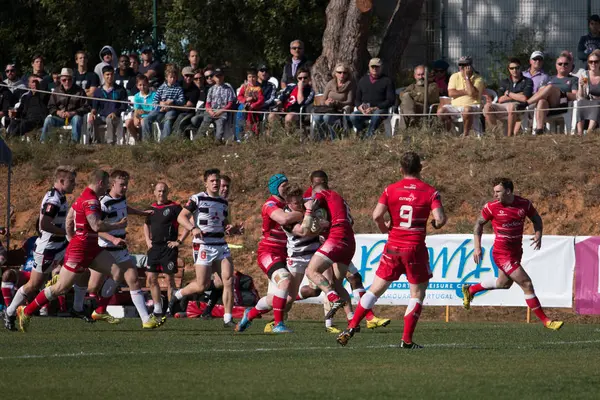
[(536, 71), (514, 92), (558, 92), (412, 98), (66, 110), (293, 98), (590, 42), (12, 81), (338, 98), (441, 77), (268, 88), (108, 56), (219, 100), (588, 94), (290, 69)]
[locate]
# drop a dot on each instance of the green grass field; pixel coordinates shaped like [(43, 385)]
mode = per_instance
[(64, 359)]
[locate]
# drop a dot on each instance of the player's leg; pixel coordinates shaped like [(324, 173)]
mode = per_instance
[(36, 281), (524, 281), (412, 314), (9, 282), (216, 292), (79, 291), (318, 264), (199, 285), (339, 274), (137, 296), (225, 272), (155, 292), (358, 290), (104, 264)]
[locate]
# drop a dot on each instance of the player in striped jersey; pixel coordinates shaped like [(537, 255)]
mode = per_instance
[(50, 246), (211, 253), (113, 209)]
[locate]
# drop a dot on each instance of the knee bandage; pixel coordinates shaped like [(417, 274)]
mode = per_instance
[(280, 275)]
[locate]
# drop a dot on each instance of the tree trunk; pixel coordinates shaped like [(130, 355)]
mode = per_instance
[(344, 40)]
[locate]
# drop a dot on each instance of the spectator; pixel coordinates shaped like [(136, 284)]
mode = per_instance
[(591, 41), (250, 98), (220, 98), (191, 95), (124, 74), (55, 82), (108, 112), (514, 92), (196, 120), (142, 106), (588, 94), (194, 58), (209, 77), (108, 56), (268, 89), (412, 98), (87, 80), (290, 69), (151, 68), (37, 66), (560, 89), (536, 71), (5, 99), (465, 88), (31, 113), (293, 98), (66, 110), (15, 85), (441, 76), (339, 96), (134, 63), (374, 95), (168, 94)]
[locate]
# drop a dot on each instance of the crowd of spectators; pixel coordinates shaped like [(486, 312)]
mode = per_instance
[(149, 100)]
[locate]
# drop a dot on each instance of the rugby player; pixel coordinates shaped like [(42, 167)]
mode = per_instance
[(210, 250), (507, 213), (161, 232), (272, 255), (408, 203)]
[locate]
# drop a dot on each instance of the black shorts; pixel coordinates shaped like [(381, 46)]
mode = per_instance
[(163, 259)]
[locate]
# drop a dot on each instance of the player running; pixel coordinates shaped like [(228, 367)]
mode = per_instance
[(272, 255), (51, 245), (507, 214), (161, 232), (82, 225), (408, 203), (211, 252)]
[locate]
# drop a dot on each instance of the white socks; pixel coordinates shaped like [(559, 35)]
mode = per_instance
[(227, 318), (18, 300), (137, 297), (368, 300), (489, 283), (158, 307)]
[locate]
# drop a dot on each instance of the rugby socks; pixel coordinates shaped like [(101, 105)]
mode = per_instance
[(16, 302), (78, 297), (262, 307), (137, 297), (534, 304), (487, 284), (227, 318), (43, 298), (279, 302), (358, 294), (328, 323), (411, 317), (366, 303), (158, 308), (7, 292), (62, 303)]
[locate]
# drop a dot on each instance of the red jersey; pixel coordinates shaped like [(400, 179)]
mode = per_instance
[(508, 223), (273, 237), (308, 193), (86, 204), (409, 202), (338, 213)]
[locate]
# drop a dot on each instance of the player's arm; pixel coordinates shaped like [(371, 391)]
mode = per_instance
[(378, 214), (49, 211), (184, 220), (439, 218), (538, 227), (147, 236), (285, 218), (100, 226), (298, 231), (70, 224), (307, 222), (135, 211), (477, 233)]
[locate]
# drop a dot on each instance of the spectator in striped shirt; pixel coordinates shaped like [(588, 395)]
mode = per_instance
[(168, 94), (220, 98)]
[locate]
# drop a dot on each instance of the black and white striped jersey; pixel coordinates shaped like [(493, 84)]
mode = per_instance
[(55, 206), (210, 216), (298, 246), (113, 210)]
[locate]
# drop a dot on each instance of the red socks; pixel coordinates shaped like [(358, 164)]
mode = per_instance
[(359, 314), (7, 293), (534, 304), (331, 296), (369, 315), (476, 288), (40, 300), (413, 312), (102, 304), (278, 308)]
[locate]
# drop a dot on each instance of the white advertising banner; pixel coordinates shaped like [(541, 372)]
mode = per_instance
[(451, 261)]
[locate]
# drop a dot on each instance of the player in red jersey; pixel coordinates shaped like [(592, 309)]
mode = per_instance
[(272, 256), (82, 226), (409, 203), (508, 213)]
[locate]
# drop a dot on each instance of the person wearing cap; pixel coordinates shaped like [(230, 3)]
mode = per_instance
[(441, 76), (268, 88), (536, 71), (466, 88), (87, 80), (151, 68), (110, 101), (375, 94), (412, 98), (66, 110), (220, 98), (591, 41), (191, 95), (168, 94), (108, 56), (124, 74), (290, 69)]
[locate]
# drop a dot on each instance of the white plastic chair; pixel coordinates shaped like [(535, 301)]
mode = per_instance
[(566, 120)]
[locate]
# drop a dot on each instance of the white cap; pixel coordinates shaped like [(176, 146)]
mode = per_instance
[(535, 54)]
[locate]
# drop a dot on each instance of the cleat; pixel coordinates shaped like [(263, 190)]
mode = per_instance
[(174, 305), (85, 316), (344, 337), (23, 320), (376, 322), (152, 323), (206, 317), (106, 317), (161, 318), (9, 322), (554, 325), (413, 345), (230, 324), (269, 327), (281, 328), (244, 322), (467, 297), (332, 329), (335, 306)]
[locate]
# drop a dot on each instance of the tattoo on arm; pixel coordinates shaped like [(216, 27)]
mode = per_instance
[(478, 230)]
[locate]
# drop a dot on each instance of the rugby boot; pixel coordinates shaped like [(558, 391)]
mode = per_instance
[(467, 297), (344, 337), (23, 320), (377, 322), (332, 329), (335, 306), (554, 325), (161, 318), (244, 322), (281, 328), (269, 327), (9, 322), (106, 317), (152, 323), (83, 315), (413, 345), (230, 324)]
